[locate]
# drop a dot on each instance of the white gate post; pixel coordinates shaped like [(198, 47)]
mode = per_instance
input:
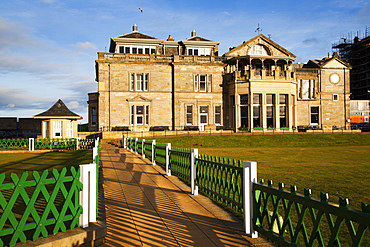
[(125, 142), (168, 149), (143, 148), (249, 177), (193, 171), (31, 144), (88, 194), (153, 152)]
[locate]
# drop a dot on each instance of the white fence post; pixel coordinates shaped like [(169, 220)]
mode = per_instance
[(168, 149), (249, 177), (124, 142), (193, 171), (136, 141), (153, 152), (77, 143), (143, 148), (31, 144), (88, 194)]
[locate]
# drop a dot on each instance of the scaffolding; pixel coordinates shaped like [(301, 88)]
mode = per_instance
[(355, 49)]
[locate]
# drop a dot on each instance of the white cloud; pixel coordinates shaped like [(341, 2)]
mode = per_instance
[(86, 46)]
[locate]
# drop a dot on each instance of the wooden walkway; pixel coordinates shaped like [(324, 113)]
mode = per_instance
[(146, 208)]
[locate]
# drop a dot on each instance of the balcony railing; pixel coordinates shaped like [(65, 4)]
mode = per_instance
[(158, 58)]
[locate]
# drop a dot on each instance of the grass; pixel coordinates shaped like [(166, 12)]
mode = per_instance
[(255, 141), (335, 164), (20, 162)]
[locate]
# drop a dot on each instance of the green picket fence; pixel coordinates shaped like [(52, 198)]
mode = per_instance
[(286, 218), (290, 219), (180, 163), (221, 179)]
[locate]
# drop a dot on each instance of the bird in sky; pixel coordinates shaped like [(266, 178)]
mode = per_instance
[(141, 10)]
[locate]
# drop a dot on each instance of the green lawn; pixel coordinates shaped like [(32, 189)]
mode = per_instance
[(20, 162), (335, 164)]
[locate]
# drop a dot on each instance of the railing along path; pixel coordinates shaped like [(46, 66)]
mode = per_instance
[(286, 218)]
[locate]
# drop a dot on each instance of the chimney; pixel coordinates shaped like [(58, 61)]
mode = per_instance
[(193, 33), (134, 28)]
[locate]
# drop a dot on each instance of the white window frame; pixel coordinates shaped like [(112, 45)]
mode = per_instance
[(218, 114), (134, 115), (57, 129), (69, 129), (207, 83), (318, 115), (283, 105), (271, 105), (306, 89), (190, 114), (199, 51), (139, 81), (134, 49), (203, 114)]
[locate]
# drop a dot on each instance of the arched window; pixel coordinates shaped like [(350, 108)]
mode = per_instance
[(258, 50)]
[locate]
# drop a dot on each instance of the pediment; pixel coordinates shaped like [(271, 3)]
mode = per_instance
[(139, 98), (260, 46), (335, 64)]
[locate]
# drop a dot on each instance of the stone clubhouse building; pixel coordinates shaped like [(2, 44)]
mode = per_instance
[(145, 83)]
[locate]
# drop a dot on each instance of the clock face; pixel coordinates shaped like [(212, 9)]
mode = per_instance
[(334, 78)]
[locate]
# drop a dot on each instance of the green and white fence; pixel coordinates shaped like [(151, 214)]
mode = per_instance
[(285, 217), (32, 144), (35, 204)]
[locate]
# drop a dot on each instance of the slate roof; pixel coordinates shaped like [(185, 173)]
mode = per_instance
[(58, 110), (136, 35), (196, 38)]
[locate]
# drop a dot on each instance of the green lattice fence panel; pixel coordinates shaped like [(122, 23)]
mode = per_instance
[(139, 146), (38, 204), (180, 163), (291, 219), (148, 150), (55, 143), (14, 143), (221, 179), (160, 154), (131, 143), (86, 143)]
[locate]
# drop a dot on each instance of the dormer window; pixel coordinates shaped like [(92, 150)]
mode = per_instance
[(258, 50), (136, 49), (199, 51)]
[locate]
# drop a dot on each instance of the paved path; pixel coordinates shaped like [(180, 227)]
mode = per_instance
[(146, 208)]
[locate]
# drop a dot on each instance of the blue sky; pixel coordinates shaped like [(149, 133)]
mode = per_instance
[(48, 47)]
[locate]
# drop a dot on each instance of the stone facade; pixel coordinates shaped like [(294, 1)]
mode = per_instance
[(145, 83)]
